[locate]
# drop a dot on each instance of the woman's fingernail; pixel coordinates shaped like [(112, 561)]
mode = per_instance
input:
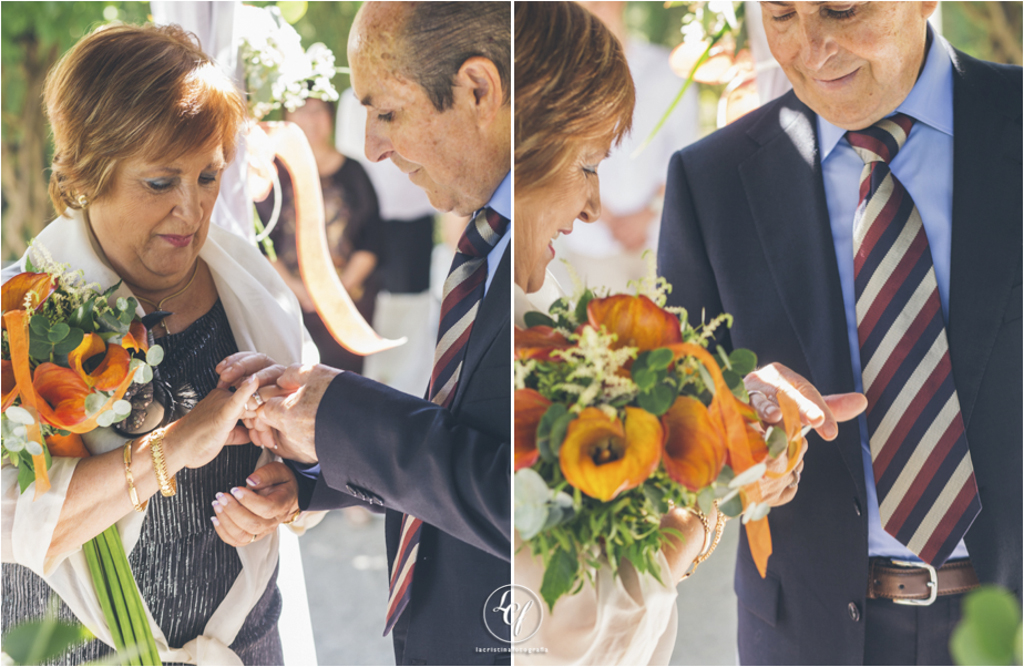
[(221, 497), (236, 492), (215, 521), (218, 508), (251, 481), (772, 411)]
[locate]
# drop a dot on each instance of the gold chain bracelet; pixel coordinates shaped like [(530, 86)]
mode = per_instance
[(168, 484), (708, 550), (133, 494)]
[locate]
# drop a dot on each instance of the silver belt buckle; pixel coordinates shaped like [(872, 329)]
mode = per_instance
[(933, 585)]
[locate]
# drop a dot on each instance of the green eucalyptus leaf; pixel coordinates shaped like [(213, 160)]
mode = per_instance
[(94, 402), (39, 324), (644, 377), (126, 317), (109, 322), (659, 359), (706, 499), (705, 376), (557, 435), (105, 418), (732, 507), (776, 440), (559, 576), (658, 400), (58, 333), (553, 413), (155, 355), (537, 319), (743, 361), (989, 628), (40, 349), (71, 341), (122, 303)]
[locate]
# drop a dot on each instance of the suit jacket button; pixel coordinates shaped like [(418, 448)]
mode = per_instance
[(854, 611), (856, 506)]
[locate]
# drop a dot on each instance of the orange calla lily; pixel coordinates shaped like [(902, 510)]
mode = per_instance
[(538, 343), (70, 445), (602, 457), (64, 392), (694, 448), (636, 320), (530, 406), (14, 291), (136, 338), (10, 385), (112, 369)]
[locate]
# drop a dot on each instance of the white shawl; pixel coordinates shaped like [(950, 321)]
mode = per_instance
[(265, 317)]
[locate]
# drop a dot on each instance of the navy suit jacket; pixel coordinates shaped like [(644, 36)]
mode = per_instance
[(745, 230), (450, 468)]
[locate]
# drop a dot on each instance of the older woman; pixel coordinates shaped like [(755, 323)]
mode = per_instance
[(143, 125), (574, 99)]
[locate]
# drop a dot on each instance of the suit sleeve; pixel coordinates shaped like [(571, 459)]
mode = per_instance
[(410, 455), (682, 254)]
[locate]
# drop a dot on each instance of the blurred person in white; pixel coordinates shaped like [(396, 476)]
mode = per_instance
[(406, 306), (609, 253)]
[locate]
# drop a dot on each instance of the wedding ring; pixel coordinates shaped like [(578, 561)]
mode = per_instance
[(293, 519), (259, 399), (796, 482), (253, 538)]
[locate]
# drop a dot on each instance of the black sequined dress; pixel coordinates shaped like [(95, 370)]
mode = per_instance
[(183, 569)]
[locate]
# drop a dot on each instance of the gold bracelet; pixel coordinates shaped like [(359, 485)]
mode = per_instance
[(132, 493), (707, 532), (168, 484), (293, 519), (719, 526)]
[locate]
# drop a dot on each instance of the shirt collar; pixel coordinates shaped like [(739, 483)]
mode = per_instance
[(930, 100), (501, 200)]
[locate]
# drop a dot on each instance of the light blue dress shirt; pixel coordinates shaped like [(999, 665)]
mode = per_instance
[(501, 202), (925, 168)]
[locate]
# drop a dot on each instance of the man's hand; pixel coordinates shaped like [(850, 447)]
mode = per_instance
[(287, 424), (247, 514), (820, 412), (780, 491)]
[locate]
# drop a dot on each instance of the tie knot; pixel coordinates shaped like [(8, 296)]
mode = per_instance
[(482, 233), (883, 140)]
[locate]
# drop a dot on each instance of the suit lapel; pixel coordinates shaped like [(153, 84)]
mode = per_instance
[(985, 257), (786, 194), (493, 314)]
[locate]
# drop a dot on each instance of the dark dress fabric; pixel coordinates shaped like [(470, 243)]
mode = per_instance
[(352, 221), (183, 569)]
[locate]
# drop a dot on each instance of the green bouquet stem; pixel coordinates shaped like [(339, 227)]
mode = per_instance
[(119, 598)]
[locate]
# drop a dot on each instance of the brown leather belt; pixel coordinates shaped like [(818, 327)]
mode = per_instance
[(918, 583)]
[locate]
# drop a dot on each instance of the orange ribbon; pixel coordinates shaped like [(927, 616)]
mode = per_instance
[(17, 331), (725, 411)]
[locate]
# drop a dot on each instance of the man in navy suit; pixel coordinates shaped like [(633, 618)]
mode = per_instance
[(759, 221), (434, 77)]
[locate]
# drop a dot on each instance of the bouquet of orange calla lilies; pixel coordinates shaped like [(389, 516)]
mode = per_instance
[(621, 413), (70, 352)]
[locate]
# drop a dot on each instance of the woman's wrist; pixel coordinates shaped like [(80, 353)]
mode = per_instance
[(175, 448)]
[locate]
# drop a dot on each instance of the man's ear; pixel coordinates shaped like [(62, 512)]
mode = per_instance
[(479, 77)]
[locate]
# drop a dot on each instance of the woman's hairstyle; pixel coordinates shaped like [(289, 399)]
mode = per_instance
[(125, 91), (572, 85)]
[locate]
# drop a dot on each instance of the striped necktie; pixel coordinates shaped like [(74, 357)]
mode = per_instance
[(463, 292), (927, 494)]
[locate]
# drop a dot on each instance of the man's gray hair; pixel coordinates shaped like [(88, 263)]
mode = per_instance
[(440, 36)]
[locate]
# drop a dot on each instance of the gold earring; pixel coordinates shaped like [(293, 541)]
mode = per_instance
[(83, 201)]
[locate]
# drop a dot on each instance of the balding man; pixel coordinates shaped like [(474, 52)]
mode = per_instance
[(865, 230), (434, 77)]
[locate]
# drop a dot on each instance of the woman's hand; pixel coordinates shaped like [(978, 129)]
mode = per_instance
[(247, 514), (233, 370), (681, 554), (197, 438)]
